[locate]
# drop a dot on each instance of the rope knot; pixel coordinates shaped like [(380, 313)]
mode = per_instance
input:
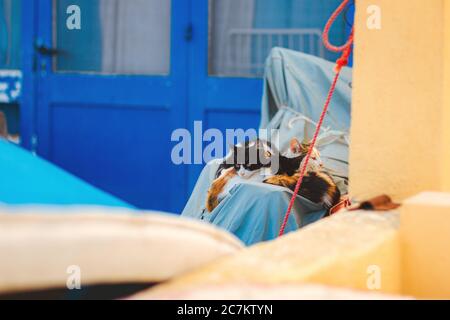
[(340, 63), (343, 60)]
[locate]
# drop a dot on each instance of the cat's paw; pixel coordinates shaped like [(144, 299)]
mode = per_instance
[(273, 180), (226, 174), (280, 180)]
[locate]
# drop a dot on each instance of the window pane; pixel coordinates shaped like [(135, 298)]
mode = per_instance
[(10, 20), (242, 32), (115, 36)]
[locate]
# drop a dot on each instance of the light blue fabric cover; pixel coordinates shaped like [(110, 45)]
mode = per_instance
[(28, 179), (295, 89), (296, 86)]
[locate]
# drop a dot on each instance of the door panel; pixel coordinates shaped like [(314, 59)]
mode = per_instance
[(115, 36), (113, 164), (109, 119)]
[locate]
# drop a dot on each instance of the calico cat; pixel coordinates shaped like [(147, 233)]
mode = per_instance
[(317, 185), (244, 161)]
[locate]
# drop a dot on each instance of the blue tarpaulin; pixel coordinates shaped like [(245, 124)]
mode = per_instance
[(28, 179), (296, 86)]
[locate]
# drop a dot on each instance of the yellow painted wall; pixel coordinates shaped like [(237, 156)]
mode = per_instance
[(446, 118), (425, 237), (398, 119)]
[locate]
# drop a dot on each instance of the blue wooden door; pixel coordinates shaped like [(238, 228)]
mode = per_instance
[(110, 89)]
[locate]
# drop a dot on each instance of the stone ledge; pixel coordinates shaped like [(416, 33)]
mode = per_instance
[(337, 251)]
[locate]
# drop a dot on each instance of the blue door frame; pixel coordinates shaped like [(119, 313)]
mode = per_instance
[(111, 130)]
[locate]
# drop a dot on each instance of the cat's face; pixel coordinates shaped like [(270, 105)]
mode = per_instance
[(250, 157), (245, 171), (297, 149)]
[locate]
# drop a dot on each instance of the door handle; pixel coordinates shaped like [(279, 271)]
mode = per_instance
[(46, 51)]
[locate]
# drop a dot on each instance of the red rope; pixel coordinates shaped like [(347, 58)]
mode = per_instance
[(328, 25), (341, 62)]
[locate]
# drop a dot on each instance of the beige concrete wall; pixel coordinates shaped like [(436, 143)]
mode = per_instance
[(398, 120), (446, 118), (424, 232)]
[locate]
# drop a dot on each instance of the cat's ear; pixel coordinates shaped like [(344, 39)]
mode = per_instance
[(295, 146)]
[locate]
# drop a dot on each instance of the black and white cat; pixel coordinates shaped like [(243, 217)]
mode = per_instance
[(249, 158), (252, 161)]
